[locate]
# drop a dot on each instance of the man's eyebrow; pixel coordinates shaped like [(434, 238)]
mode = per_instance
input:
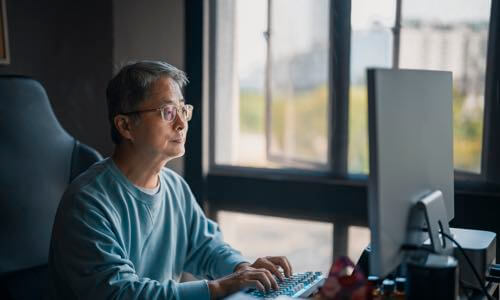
[(168, 101)]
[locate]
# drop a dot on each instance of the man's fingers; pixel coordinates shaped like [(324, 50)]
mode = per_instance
[(267, 264), (271, 278), (262, 278), (256, 284), (283, 263), (290, 270)]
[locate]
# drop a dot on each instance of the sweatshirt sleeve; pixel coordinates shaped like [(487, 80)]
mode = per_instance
[(88, 255), (208, 255)]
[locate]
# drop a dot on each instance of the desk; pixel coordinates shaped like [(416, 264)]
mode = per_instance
[(492, 289)]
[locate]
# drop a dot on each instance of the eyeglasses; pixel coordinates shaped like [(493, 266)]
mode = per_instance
[(169, 111)]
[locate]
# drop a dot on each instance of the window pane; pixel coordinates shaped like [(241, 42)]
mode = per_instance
[(307, 244), (452, 35), (371, 46), (359, 238), (296, 75), (240, 60), (299, 81)]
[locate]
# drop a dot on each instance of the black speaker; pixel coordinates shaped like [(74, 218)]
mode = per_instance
[(432, 277)]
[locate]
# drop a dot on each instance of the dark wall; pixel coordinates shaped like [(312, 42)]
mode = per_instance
[(67, 46), (150, 29)]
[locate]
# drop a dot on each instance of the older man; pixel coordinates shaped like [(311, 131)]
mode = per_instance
[(128, 227)]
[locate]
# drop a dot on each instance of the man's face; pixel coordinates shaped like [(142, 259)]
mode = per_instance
[(155, 136)]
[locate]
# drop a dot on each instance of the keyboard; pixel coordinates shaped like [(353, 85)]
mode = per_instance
[(299, 285)]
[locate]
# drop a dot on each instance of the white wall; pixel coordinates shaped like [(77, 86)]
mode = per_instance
[(149, 29)]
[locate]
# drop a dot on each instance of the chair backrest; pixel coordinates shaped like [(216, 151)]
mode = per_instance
[(38, 159)]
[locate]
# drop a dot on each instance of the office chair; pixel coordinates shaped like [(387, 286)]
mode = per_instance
[(38, 159)]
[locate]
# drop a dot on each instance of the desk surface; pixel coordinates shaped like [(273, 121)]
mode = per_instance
[(492, 288)]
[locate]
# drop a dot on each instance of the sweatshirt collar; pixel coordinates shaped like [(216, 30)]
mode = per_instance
[(132, 189)]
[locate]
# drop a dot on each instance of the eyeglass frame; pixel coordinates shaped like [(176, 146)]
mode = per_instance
[(189, 108)]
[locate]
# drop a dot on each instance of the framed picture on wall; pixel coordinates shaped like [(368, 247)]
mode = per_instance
[(4, 38)]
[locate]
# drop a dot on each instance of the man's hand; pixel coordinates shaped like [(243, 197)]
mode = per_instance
[(258, 275), (270, 263)]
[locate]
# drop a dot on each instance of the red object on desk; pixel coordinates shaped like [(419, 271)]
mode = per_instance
[(342, 285)]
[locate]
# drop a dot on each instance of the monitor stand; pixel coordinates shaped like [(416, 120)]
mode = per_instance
[(430, 213), (431, 276)]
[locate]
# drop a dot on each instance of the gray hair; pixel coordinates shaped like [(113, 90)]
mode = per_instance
[(132, 85)]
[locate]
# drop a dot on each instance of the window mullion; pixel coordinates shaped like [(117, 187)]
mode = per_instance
[(267, 86), (490, 160), (195, 157), (338, 110), (396, 31)]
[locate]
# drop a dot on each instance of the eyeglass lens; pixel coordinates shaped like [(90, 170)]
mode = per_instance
[(170, 112)]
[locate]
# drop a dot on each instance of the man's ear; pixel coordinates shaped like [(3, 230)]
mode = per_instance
[(123, 125)]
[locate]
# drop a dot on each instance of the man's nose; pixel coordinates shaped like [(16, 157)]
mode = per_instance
[(179, 122)]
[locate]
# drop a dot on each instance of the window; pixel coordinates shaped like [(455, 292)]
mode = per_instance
[(452, 35), (371, 46), (448, 35), (282, 142), (307, 244), (359, 238), (271, 86)]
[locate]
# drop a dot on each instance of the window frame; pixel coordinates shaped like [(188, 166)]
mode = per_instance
[(333, 196)]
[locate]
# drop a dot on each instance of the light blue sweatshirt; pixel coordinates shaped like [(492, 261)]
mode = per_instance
[(110, 240)]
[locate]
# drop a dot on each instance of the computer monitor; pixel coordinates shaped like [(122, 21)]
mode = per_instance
[(410, 116)]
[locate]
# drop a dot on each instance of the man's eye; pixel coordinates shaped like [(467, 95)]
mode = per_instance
[(169, 112)]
